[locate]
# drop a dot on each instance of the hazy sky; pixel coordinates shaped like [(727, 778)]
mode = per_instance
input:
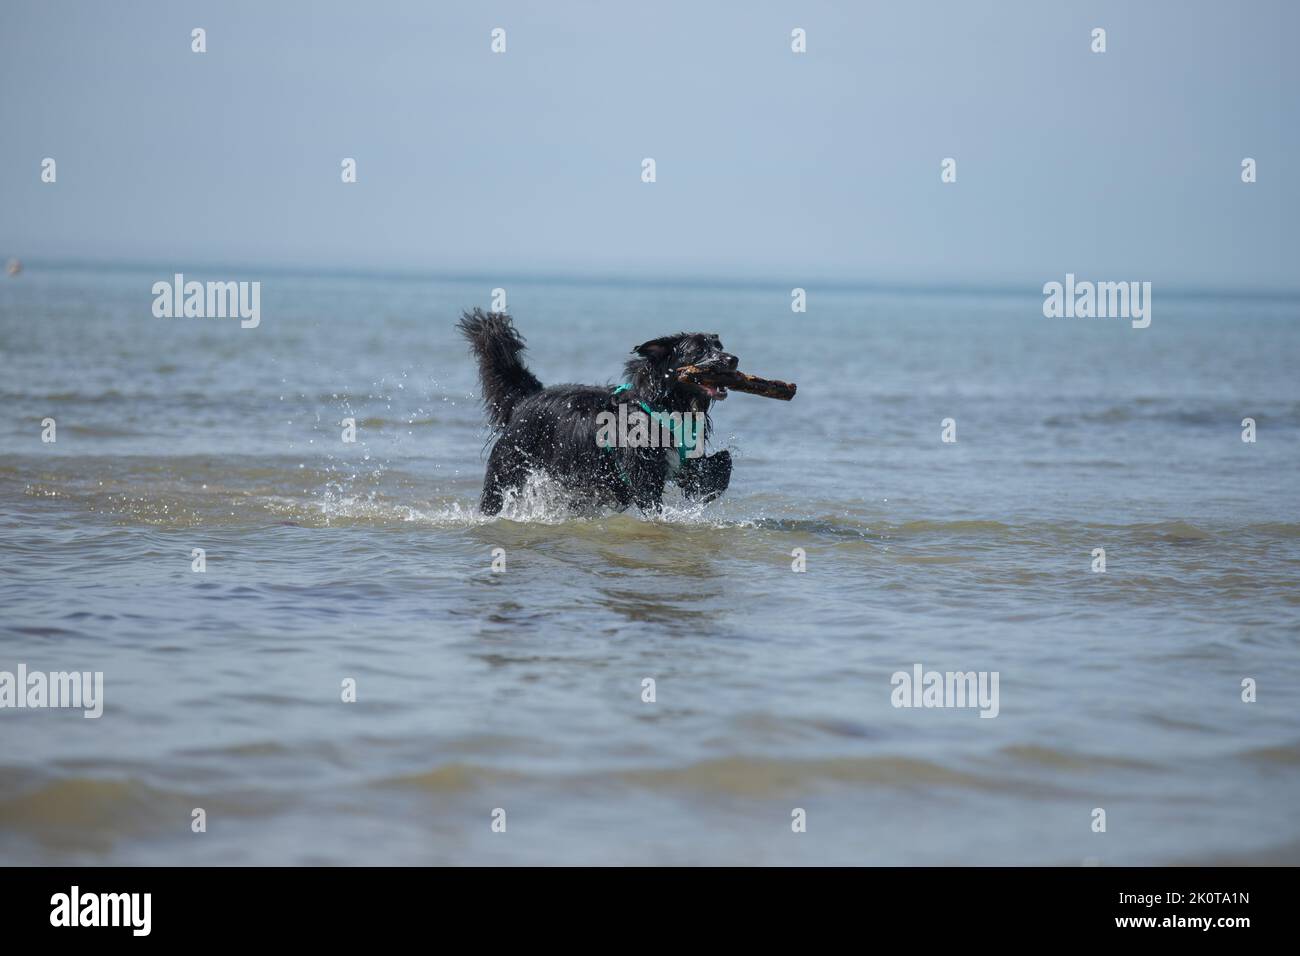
[(1122, 165)]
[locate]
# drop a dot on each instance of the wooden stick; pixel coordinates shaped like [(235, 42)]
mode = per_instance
[(738, 382)]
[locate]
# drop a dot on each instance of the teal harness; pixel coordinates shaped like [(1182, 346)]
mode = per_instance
[(684, 443)]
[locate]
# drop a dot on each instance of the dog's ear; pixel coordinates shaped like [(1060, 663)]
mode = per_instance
[(656, 350)]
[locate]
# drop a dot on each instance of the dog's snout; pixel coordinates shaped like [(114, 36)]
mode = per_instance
[(730, 361)]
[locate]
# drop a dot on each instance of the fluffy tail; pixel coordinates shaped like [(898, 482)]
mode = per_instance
[(505, 378)]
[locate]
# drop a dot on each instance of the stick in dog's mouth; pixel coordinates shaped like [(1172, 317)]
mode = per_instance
[(716, 382)]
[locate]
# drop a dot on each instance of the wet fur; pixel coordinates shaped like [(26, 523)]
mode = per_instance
[(552, 430)]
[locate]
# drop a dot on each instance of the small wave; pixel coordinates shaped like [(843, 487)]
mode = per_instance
[(1069, 760), (87, 813), (1168, 531), (450, 778), (107, 397), (1276, 529), (1285, 754), (751, 776), (542, 500), (737, 776), (338, 507), (101, 431), (378, 422), (969, 526), (1167, 412)]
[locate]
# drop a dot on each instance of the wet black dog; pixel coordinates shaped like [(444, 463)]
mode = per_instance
[(555, 430)]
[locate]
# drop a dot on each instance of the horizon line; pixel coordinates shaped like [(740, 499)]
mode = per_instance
[(721, 280)]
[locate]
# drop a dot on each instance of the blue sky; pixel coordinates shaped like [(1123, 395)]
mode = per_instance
[(1120, 166)]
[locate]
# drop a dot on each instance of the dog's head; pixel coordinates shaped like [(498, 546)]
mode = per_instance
[(654, 369)]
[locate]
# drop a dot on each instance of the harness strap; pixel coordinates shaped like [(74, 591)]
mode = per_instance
[(659, 417)]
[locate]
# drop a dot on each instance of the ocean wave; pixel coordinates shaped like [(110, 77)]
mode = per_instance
[(736, 776), (1176, 412), (1072, 760), (1174, 532), (189, 491), (1275, 529)]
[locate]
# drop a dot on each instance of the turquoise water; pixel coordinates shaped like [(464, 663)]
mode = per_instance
[(523, 690)]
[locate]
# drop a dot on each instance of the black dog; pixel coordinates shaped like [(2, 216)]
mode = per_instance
[(555, 430)]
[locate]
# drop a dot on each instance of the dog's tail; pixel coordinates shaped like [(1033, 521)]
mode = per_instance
[(505, 378)]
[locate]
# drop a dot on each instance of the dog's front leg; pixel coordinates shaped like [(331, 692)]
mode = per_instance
[(647, 475), (706, 477)]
